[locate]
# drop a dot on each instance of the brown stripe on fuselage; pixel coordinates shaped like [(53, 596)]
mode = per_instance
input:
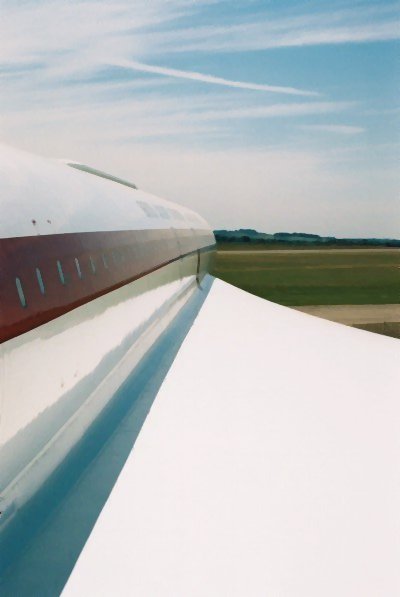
[(117, 257)]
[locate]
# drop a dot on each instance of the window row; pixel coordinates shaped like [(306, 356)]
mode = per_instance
[(105, 261), (123, 255), (117, 256)]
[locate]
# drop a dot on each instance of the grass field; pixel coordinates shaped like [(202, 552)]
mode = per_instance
[(316, 277)]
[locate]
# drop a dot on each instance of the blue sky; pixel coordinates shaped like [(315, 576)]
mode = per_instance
[(265, 114)]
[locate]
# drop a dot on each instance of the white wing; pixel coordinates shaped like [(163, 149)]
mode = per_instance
[(268, 465)]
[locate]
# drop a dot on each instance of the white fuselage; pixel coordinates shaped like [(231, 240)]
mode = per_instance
[(92, 273)]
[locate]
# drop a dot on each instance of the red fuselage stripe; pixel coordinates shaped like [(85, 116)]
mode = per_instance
[(43, 277)]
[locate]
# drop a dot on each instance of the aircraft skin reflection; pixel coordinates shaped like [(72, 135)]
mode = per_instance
[(93, 272)]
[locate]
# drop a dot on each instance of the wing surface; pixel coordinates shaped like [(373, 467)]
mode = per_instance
[(268, 465)]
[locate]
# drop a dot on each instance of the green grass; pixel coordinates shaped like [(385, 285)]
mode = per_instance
[(322, 278)]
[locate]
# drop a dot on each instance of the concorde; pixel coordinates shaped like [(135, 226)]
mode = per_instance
[(268, 463)]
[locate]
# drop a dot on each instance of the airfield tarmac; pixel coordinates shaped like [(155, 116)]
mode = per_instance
[(354, 314), (353, 286), (381, 319)]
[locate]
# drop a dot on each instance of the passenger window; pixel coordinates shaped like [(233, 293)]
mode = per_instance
[(40, 280), (92, 265), (78, 268), (20, 291), (61, 273)]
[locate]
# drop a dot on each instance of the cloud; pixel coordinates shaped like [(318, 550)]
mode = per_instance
[(361, 24), (276, 110), (63, 41), (194, 76), (114, 111), (340, 129), (84, 33)]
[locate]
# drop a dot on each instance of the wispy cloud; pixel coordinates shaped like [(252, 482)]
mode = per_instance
[(298, 27), (194, 76), (63, 41), (83, 34), (113, 112), (339, 129), (277, 110)]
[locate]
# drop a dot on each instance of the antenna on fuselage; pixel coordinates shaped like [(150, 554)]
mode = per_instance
[(100, 173)]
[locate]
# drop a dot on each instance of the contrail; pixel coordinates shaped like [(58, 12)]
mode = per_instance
[(194, 76)]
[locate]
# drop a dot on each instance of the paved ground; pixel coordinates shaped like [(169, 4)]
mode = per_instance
[(353, 314), (381, 319)]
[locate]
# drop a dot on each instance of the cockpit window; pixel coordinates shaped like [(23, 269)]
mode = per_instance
[(148, 210), (162, 211)]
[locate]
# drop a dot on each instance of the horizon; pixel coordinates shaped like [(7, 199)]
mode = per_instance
[(253, 114), (311, 234)]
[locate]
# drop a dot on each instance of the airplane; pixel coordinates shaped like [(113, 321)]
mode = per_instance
[(164, 433)]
